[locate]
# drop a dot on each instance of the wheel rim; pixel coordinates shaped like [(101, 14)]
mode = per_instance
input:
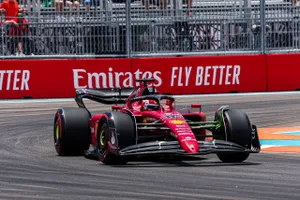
[(56, 137), (57, 131), (102, 138)]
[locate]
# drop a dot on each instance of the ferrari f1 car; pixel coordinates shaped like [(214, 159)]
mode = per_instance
[(147, 123)]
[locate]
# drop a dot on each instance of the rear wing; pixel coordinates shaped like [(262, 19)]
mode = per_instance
[(105, 96)]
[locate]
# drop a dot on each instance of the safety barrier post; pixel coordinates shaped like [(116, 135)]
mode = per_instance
[(263, 27), (128, 28)]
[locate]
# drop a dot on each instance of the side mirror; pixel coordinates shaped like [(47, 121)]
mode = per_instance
[(116, 107), (196, 106)]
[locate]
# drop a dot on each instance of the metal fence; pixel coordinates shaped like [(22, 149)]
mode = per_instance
[(112, 29)]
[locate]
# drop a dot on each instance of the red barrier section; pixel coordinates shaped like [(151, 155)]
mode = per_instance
[(183, 75), (209, 74), (283, 72), (58, 78)]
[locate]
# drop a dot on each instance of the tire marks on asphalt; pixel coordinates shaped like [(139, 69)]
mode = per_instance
[(31, 169)]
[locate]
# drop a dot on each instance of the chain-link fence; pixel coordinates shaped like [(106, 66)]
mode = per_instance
[(128, 28)]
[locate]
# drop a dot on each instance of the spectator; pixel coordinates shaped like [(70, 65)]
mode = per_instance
[(189, 7), (48, 3), (19, 33), (60, 4), (72, 3), (295, 2), (162, 3), (11, 9), (174, 4), (87, 4), (96, 3)]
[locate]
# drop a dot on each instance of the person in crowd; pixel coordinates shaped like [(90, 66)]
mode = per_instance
[(10, 8), (87, 4), (72, 4), (295, 2), (189, 7), (162, 3), (174, 4), (19, 34), (60, 5), (104, 5)]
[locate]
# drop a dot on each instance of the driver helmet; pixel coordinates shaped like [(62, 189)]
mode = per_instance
[(149, 105)]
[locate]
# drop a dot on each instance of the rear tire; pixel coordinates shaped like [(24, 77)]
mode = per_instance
[(71, 131), (238, 128), (124, 136)]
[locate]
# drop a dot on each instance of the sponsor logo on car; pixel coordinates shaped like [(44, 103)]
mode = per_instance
[(185, 133), (180, 126), (172, 116), (188, 138), (149, 119), (177, 121)]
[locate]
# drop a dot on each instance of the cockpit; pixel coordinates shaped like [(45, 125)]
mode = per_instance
[(150, 105)]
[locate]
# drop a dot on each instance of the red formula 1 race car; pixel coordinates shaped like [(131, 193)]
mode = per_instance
[(148, 124)]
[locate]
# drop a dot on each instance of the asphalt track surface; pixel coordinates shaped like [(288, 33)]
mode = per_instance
[(31, 169)]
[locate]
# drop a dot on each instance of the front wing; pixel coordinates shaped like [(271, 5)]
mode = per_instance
[(205, 147), (173, 147)]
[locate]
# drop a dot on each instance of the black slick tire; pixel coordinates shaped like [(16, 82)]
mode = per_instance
[(238, 128), (71, 131), (119, 131)]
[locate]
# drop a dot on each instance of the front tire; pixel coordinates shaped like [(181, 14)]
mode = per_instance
[(238, 128), (117, 132), (71, 131)]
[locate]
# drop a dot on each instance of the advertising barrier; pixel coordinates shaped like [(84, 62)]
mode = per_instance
[(176, 75), (205, 75), (59, 78), (283, 72)]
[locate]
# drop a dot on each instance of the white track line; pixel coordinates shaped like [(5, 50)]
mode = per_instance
[(176, 96), (266, 146)]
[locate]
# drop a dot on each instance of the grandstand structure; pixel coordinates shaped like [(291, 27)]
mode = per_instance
[(127, 29)]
